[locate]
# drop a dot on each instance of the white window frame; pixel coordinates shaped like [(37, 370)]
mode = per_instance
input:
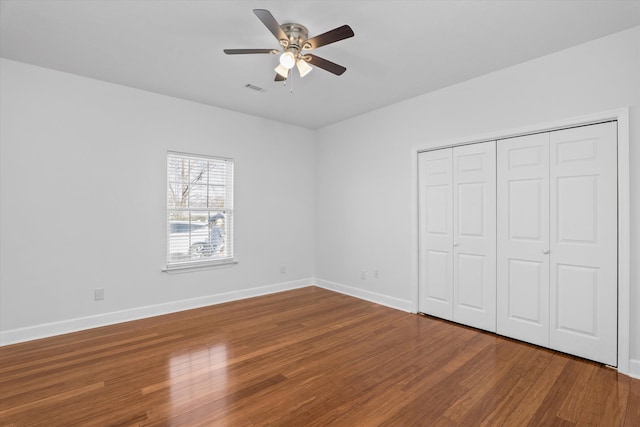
[(199, 228)]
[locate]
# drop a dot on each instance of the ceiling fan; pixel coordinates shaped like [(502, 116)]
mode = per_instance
[(294, 40)]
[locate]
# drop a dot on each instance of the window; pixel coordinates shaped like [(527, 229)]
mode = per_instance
[(199, 210)]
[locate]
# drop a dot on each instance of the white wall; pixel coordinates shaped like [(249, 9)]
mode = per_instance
[(365, 191), (83, 186)]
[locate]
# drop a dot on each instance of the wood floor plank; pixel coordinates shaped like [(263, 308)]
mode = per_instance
[(616, 402), (484, 398), (304, 357), (601, 386), (509, 402), (571, 409), (632, 414)]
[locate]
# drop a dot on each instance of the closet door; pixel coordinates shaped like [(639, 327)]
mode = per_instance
[(583, 280), (436, 233), (474, 231), (523, 238)]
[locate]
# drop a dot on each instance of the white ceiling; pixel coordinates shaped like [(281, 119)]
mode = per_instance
[(401, 48)]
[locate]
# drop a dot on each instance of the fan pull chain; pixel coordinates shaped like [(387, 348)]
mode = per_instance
[(290, 76)]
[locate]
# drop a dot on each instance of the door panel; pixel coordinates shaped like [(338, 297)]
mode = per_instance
[(474, 243), (576, 299), (583, 255), (471, 199), (576, 209), (470, 290), (525, 296), (436, 217), (523, 238), (436, 233), (527, 223), (437, 279)]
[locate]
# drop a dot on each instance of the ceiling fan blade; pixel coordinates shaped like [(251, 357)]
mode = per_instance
[(331, 67), (329, 37), (279, 78), (270, 22), (245, 51)]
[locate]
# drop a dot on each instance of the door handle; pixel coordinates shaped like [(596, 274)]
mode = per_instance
[(546, 251), (456, 244)]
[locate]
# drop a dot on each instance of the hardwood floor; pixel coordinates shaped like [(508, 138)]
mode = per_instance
[(307, 357)]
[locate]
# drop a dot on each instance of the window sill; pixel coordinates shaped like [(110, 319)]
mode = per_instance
[(188, 268)]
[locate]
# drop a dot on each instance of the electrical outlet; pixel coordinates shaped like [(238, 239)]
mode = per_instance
[(98, 294), (376, 274), (363, 274), (283, 269)]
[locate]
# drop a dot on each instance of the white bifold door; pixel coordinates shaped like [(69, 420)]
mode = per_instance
[(557, 240), (523, 238), (457, 209)]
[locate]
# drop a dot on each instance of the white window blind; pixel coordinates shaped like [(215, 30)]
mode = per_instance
[(199, 210)]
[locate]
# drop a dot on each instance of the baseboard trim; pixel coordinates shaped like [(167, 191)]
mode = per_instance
[(45, 330), (397, 303), (634, 368)]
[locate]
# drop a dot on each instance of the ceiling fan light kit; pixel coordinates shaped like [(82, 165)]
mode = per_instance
[(288, 60), (303, 68), (282, 71), (294, 38)]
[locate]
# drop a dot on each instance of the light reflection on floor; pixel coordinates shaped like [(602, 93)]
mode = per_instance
[(196, 374)]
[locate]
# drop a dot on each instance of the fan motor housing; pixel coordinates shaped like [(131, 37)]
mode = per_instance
[(297, 34)]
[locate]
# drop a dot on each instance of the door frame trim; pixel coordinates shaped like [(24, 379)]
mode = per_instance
[(620, 115)]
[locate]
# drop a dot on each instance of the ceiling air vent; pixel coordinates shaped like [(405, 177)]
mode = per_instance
[(254, 87)]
